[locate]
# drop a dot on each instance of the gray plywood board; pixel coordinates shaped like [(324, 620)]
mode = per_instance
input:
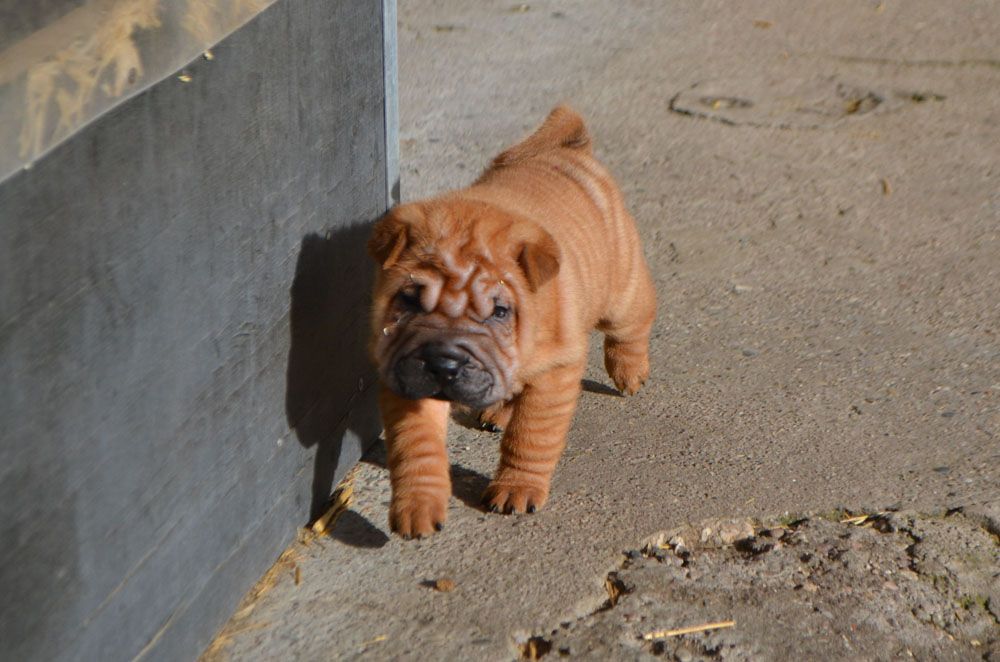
[(183, 300)]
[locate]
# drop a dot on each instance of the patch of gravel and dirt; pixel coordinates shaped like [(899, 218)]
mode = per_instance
[(891, 585)]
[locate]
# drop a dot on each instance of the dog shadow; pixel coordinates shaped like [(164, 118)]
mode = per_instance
[(468, 485), (354, 529), (330, 385), (591, 386)]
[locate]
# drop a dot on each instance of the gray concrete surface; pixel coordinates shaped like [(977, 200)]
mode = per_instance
[(818, 189)]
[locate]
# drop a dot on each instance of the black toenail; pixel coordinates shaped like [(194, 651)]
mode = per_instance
[(531, 508), (438, 526)]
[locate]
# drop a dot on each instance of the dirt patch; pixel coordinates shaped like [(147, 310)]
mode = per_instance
[(835, 586)]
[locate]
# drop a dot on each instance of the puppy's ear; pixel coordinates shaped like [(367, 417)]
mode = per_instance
[(538, 256), (391, 234)]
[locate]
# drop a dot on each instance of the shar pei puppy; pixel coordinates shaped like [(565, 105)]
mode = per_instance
[(485, 297)]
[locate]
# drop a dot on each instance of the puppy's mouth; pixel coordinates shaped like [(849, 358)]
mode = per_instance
[(443, 372)]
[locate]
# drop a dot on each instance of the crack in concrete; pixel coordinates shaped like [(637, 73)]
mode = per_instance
[(843, 102)]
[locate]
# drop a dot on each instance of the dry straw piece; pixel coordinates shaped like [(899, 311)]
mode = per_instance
[(860, 520), (340, 502), (857, 520), (380, 638), (662, 634)]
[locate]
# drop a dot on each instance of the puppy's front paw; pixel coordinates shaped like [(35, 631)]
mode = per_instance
[(496, 417), (417, 515), (509, 497)]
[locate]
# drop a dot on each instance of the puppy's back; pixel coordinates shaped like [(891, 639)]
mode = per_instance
[(553, 179), (563, 128)]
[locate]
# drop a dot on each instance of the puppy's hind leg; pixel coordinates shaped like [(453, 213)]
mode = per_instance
[(496, 417), (626, 336)]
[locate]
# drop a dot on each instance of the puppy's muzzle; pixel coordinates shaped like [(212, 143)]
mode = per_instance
[(443, 371)]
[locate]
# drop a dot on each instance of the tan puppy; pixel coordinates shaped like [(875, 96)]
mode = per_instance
[(485, 297)]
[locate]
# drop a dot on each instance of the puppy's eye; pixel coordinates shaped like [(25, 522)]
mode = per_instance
[(410, 299), (500, 312)]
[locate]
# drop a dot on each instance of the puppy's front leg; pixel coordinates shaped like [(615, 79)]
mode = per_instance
[(415, 433), (534, 440)]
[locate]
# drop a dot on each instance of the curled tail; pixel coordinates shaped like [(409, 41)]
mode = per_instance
[(563, 128)]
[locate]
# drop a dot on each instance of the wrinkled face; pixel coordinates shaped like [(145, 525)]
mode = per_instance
[(452, 302), (451, 336)]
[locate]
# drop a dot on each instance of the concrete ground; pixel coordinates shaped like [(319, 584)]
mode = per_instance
[(818, 188)]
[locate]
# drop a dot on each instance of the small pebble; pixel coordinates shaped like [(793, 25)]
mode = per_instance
[(444, 585)]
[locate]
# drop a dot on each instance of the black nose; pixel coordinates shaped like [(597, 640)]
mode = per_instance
[(443, 361)]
